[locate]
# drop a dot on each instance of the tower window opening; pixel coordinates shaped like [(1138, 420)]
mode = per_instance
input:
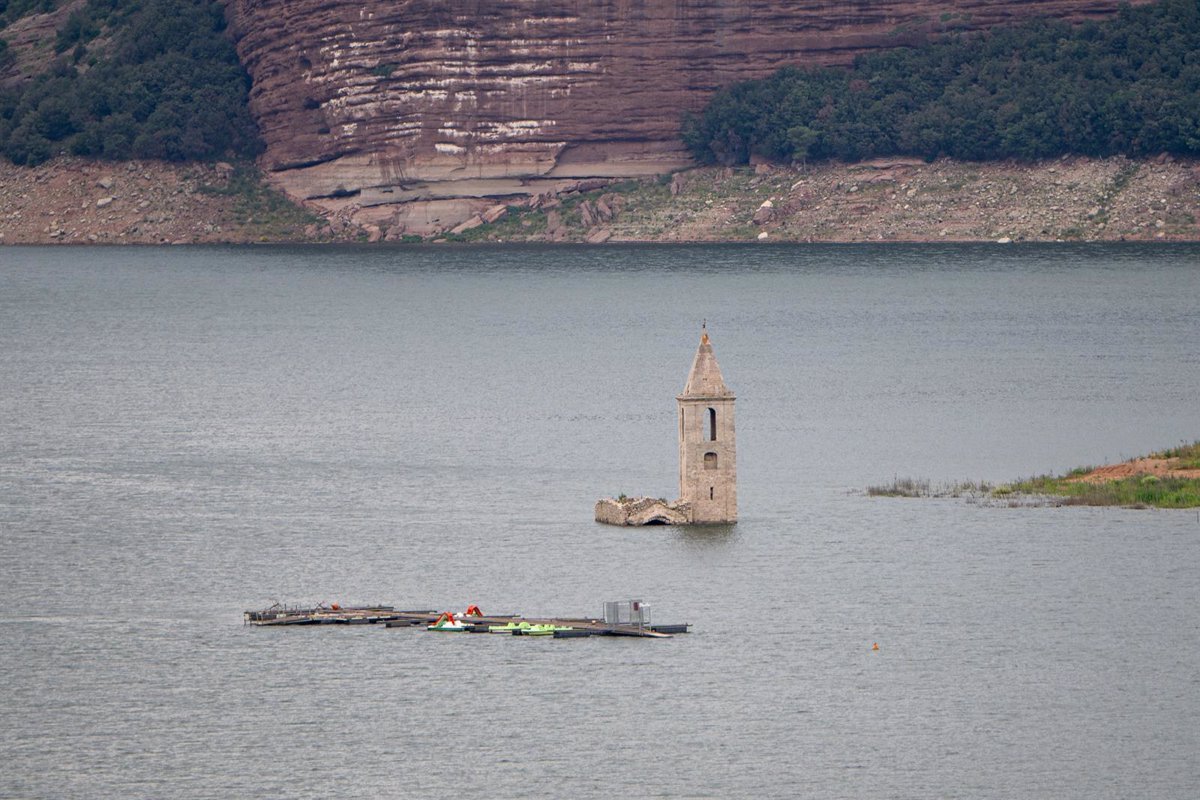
[(710, 493), (712, 424), (710, 460)]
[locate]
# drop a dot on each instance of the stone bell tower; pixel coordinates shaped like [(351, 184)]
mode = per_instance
[(707, 447)]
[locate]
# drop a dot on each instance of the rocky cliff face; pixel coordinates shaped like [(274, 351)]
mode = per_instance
[(408, 113)]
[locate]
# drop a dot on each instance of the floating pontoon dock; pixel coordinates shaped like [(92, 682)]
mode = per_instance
[(618, 621)]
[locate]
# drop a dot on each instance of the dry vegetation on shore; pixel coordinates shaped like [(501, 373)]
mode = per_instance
[(69, 200), (74, 201), (1070, 199)]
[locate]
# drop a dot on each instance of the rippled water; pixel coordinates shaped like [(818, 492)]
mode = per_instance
[(188, 433)]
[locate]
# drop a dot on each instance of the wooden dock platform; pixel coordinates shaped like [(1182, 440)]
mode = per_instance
[(392, 618)]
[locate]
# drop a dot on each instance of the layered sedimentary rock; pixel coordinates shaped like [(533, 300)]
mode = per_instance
[(411, 112)]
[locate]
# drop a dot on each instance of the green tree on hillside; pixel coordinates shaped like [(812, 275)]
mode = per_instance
[(1128, 85), (11, 10), (168, 86)]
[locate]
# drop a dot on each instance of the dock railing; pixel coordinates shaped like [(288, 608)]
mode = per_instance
[(627, 612)]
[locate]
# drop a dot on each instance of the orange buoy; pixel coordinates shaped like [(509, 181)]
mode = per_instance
[(336, 607), (875, 646)]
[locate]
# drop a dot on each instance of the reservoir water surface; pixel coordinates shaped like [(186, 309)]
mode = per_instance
[(186, 433)]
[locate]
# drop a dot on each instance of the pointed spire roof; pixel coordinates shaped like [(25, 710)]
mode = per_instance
[(705, 378)]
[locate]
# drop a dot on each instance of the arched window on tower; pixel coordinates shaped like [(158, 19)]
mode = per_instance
[(712, 424), (710, 460)]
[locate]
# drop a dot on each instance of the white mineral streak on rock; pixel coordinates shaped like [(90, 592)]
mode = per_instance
[(499, 84)]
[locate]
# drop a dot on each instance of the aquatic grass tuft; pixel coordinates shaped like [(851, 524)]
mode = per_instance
[(901, 487), (923, 487)]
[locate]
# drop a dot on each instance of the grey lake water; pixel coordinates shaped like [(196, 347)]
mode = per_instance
[(189, 433)]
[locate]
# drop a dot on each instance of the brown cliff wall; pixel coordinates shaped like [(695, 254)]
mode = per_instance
[(431, 103)]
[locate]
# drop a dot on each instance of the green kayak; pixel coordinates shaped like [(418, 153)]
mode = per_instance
[(545, 630)]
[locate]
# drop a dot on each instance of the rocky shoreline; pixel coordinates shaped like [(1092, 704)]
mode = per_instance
[(73, 201)]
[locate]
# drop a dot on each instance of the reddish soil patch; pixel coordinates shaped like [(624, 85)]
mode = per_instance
[(1159, 467)]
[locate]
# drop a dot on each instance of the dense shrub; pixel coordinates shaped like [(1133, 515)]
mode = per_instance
[(1127, 85), (168, 86), (15, 9)]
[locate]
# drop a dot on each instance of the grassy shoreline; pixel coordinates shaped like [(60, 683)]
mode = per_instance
[(1083, 486), (1144, 491)]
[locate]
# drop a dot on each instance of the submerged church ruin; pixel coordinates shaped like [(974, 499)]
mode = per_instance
[(707, 457)]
